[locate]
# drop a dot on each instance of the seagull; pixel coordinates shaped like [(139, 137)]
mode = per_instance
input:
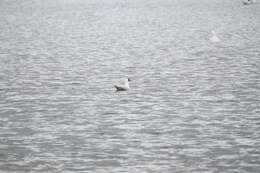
[(124, 86), (214, 37), (247, 2)]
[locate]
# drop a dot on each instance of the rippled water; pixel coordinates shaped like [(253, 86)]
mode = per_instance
[(194, 105)]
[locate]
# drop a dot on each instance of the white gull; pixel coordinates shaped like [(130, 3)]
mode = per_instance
[(123, 87), (214, 37)]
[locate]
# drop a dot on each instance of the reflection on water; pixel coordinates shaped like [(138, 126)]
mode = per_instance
[(193, 107)]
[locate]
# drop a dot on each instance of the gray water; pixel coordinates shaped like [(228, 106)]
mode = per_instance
[(194, 105)]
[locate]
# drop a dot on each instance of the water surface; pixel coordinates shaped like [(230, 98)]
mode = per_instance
[(194, 105)]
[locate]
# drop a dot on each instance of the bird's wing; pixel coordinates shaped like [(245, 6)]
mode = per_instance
[(119, 88)]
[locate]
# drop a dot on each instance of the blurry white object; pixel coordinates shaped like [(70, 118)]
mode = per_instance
[(214, 37)]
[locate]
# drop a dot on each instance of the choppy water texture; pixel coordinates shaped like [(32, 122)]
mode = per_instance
[(194, 105)]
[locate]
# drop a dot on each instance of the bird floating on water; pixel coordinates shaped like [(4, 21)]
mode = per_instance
[(214, 38), (123, 87), (247, 2)]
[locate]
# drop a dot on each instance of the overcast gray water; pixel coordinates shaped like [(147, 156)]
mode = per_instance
[(194, 105)]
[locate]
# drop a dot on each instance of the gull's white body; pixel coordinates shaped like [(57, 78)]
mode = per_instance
[(123, 87), (214, 38)]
